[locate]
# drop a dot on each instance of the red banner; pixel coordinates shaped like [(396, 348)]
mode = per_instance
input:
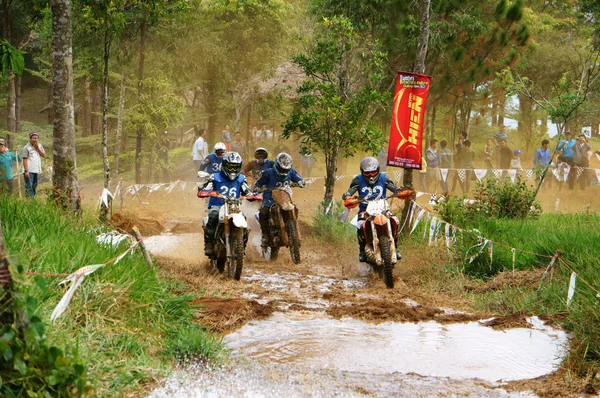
[(408, 118)]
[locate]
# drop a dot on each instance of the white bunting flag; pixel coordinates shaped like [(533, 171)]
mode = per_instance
[(182, 186), (571, 292), (444, 174), (432, 227), (567, 170), (413, 208), (480, 173), (462, 174), (513, 174), (399, 176), (482, 243), (172, 186), (598, 156), (556, 174), (426, 225), (598, 174), (417, 221), (579, 171), (491, 253), (447, 234), (497, 173), (557, 204), (529, 173), (514, 254), (419, 194)]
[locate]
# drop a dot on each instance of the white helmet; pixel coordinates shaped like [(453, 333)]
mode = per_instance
[(283, 166), (369, 168), (220, 149)]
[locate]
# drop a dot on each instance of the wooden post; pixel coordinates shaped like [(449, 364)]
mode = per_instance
[(138, 237), (547, 272)]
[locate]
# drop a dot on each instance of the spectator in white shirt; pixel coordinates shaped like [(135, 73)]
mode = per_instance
[(32, 155)]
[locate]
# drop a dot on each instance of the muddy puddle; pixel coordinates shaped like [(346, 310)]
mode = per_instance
[(300, 351)]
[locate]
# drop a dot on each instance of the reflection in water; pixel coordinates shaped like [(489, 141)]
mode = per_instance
[(462, 350)]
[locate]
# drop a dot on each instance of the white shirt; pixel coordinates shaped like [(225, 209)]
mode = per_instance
[(199, 145), (34, 160)]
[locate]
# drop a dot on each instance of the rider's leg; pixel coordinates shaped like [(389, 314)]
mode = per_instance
[(209, 231), (263, 219), (396, 241), (360, 236)]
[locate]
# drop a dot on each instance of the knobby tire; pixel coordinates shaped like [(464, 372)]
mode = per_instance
[(237, 242), (294, 242), (384, 247)]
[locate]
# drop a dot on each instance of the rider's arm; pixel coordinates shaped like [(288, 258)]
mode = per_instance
[(262, 181), (209, 184), (295, 177), (353, 188), (389, 184), (205, 163), (248, 167), (245, 189)]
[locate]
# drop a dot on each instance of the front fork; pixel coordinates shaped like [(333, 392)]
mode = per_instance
[(226, 232), (375, 242)]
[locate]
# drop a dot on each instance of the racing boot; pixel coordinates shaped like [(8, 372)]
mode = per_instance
[(398, 255), (263, 220), (209, 246), (362, 256)]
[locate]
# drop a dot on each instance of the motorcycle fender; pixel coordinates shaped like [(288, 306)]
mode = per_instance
[(380, 220), (287, 206), (239, 220)]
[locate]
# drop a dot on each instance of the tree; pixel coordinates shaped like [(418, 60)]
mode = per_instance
[(64, 171), (339, 96)]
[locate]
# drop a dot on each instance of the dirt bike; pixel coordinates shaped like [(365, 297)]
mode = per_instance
[(283, 224), (231, 236), (380, 227)]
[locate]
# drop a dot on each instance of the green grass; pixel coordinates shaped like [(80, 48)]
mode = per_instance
[(329, 228), (128, 322)]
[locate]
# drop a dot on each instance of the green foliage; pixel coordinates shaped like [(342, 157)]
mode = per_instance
[(11, 58), (343, 70), (30, 366), (120, 315), (494, 198), (329, 228)]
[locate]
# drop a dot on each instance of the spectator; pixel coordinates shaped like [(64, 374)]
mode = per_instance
[(469, 155), (7, 161), (506, 155), (433, 161), (463, 137), (497, 138), (32, 155), (200, 149), (515, 162), (541, 160), (566, 148), (423, 175), (226, 137), (239, 146), (445, 163), (307, 161), (581, 160), (281, 147), (489, 152), (458, 165)]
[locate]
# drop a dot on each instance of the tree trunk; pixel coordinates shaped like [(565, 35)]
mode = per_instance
[(86, 109), (11, 119), (18, 96), (419, 68), (119, 126), (250, 150), (138, 140), (238, 112), (211, 105), (64, 172), (330, 174), (106, 58)]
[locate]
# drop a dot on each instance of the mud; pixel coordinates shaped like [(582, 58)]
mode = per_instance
[(517, 279), (125, 222), (228, 314)]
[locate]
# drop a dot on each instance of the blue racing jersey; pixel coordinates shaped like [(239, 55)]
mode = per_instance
[(268, 179), (226, 187), (212, 164), (378, 190)]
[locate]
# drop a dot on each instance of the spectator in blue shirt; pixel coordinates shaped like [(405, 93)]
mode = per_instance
[(7, 161), (542, 155), (566, 146)]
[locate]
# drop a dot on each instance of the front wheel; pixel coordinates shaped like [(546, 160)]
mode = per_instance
[(384, 247), (237, 244), (294, 242)]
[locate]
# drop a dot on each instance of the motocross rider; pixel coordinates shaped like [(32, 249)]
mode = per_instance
[(280, 175), (229, 182), (212, 163), (370, 184), (260, 163)]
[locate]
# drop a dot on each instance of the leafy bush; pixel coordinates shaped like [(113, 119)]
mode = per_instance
[(31, 367), (494, 199)]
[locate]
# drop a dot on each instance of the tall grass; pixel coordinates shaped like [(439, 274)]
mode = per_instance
[(329, 228), (127, 322)]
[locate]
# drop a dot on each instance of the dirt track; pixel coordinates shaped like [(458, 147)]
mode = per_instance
[(325, 281)]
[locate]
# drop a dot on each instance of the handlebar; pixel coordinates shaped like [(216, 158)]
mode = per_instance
[(213, 194), (351, 202)]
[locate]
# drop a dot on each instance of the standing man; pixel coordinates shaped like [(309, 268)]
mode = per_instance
[(497, 138), (566, 148), (32, 155), (433, 161), (542, 159), (581, 160), (226, 137), (7, 160), (200, 149), (281, 147), (239, 146)]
